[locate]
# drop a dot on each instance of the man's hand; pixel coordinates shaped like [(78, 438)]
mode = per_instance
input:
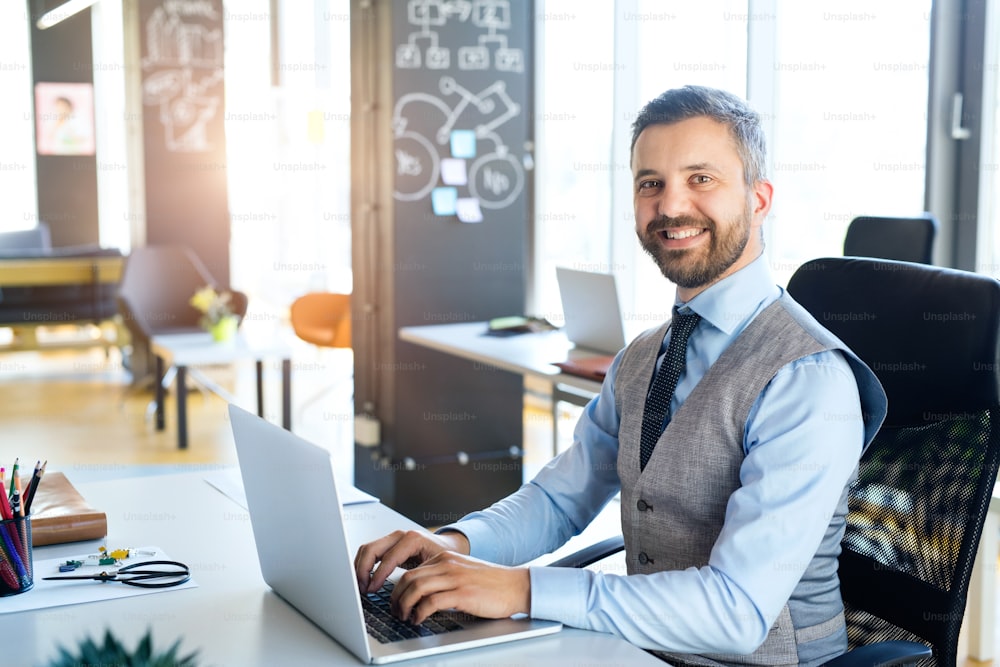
[(398, 548), (449, 580)]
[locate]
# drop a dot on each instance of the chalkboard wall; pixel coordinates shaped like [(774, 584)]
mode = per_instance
[(461, 129), (183, 125)]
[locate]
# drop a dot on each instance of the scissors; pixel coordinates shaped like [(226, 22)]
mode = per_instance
[(172, 572)]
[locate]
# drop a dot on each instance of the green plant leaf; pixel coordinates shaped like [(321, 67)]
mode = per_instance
[(111, 653)]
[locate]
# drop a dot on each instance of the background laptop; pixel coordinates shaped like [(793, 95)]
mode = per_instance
[(591, 308), (305, 556)]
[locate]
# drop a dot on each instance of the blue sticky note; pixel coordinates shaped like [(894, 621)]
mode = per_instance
[(443, 200), (463, 143)]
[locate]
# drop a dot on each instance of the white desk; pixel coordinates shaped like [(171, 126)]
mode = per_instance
[(232, 618), (529, 354), (182, 350)]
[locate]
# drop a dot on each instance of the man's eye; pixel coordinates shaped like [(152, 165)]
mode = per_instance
[(702, 179), (647, 185)]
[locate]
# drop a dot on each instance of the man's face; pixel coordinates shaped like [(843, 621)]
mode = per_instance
[(693, 211)]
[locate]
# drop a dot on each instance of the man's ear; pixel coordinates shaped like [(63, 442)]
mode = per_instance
[(761, 200)]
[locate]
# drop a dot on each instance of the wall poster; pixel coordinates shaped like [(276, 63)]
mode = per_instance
[(64, 118)]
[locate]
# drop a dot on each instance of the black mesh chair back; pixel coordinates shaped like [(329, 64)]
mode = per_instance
[(903, 239), (930, 334)]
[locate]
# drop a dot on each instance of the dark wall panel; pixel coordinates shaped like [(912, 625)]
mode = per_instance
[(67, 184), (184, 132), (461, 132)]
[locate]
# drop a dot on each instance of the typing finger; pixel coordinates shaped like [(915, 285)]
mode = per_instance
[(419, 593), (368, 555), (454, 581), (410, 548)]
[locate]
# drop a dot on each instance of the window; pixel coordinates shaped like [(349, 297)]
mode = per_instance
[(988, 247), (842, 88), (17, 127), (289, 150), (574, 109), (592, 80), (849, 121)]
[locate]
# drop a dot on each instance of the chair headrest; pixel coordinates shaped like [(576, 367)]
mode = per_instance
[(929, 333), (905, 239)]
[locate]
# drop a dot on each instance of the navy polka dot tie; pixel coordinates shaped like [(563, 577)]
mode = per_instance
[(658, 400)]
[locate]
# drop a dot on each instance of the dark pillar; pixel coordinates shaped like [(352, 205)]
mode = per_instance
[(66, 164), (187, 198)]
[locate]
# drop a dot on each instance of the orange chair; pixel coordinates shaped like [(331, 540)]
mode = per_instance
[(323, 319)]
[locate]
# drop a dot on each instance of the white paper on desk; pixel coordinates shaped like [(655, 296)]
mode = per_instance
[(47, 594), (230, 484)]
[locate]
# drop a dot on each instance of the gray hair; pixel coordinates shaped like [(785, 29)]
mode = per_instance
[(743, 122)]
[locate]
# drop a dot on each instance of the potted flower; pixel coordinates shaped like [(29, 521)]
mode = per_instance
[(217, 316)]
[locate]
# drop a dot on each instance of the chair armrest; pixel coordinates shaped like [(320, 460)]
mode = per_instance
[(882, 654), (591, 554)]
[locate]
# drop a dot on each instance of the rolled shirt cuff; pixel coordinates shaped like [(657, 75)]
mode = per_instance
[(560, 594), (478, 534)]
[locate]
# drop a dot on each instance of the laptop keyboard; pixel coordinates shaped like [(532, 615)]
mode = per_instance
[(386, 628)]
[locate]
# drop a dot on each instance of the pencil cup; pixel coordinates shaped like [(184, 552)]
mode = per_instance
[(16, 562)]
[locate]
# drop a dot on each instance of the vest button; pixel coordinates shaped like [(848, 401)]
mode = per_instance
[(642, 505), (644, 559)]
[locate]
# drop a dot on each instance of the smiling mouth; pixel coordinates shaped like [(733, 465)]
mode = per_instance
[(681, 233)]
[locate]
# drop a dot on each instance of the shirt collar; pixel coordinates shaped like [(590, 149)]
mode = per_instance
[(730, 303)]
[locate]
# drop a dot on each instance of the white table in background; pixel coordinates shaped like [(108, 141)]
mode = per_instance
[(183, 350), (527, 354)]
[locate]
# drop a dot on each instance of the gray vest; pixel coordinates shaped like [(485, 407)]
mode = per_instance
[(673, 511)]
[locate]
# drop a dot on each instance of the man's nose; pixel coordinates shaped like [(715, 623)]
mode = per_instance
[(673, 202)]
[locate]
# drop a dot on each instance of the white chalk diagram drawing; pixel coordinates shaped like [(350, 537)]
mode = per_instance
[(492, 15), (496, 178), (187, 61)]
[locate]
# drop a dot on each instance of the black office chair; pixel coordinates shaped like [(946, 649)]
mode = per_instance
[(903, 239), (932, 336), (924, 485)]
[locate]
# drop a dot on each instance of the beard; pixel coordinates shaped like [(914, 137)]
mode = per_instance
[(697, 267)]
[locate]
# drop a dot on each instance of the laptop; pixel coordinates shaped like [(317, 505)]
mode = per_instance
[(305, 557), (591, 308)]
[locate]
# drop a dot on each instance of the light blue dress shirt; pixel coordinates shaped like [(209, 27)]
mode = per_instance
[(802, 442)]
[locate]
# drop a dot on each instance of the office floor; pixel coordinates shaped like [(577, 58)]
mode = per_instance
[(76, 409)]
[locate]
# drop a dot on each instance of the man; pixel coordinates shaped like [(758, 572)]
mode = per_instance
[(734, 502)]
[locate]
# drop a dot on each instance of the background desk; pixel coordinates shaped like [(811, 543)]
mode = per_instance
[(232, 617), (529, 354), (182, 350)]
